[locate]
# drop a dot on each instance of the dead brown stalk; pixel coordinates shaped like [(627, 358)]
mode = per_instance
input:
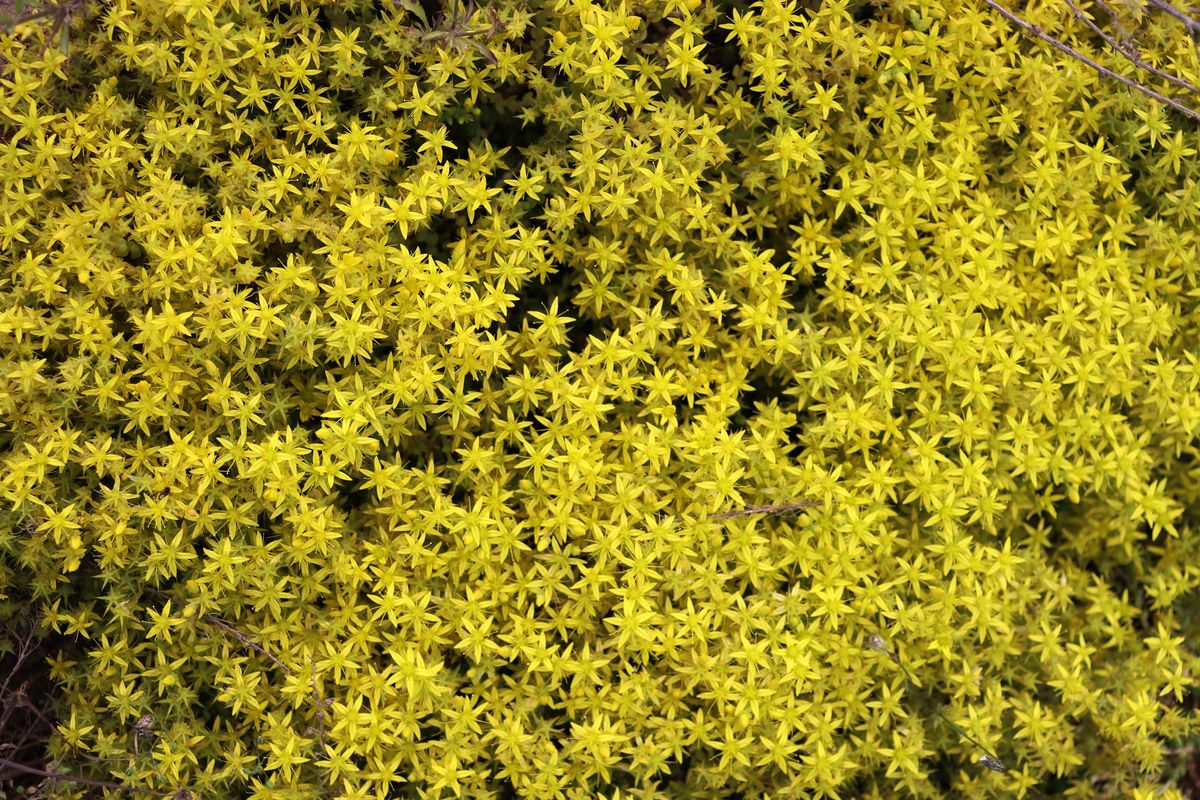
[(1124, 46), (321, 704)]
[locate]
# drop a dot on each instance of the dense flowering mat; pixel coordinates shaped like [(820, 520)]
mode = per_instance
[(619, 399)]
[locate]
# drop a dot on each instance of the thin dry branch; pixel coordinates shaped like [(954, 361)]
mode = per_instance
[(216, 621), (58, 776), (452, 29), (1115, 18), (23, 726), (780, 508), (777, 508), (59, 14), (1167, 8), (322, 704), (1036, 31), (15, 698), (1192, 24), (227, 627), (988, 759), (1129, 51)]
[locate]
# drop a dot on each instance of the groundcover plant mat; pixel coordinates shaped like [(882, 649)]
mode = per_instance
[(526, 399)]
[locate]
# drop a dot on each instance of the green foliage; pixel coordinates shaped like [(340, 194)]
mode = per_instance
[(367, 396)]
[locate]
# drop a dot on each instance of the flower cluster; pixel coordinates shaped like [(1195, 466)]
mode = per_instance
[(376, 397)]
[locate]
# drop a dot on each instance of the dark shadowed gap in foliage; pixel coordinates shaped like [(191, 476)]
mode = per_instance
[(1182, 762), (1052, 523), (513, 131), (557, 718), (1122, 579), (52, 354), (1190, 783), (845, 223), (555, 77), (456, 662), (134, 86), (207, 699), (432, 8), (857, 786), (301, 387), (678, 769), (436, 448), (619, 780), (346, 15), (153, 594), (348, 497), (265, 524), (723, 56), (497, 122), (658, 31), (348, 101), (789, 582), (188, 171), (382, 350), (867, 12), (1054, 786), (531, 210), (408, 159), (248, 290), (803, 293), (437, 238), (118, 317), (766, 385), (796, 430), (28, 691), (274, 253), (941, 771), (26, 726), (683, 410), (538, 296), (580, 331), (107, 481)]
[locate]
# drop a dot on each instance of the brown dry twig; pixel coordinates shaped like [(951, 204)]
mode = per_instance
[(23, 727), (1058, 44), (35, 727), (218, 622), (58, 776), (776, 508), (321, 704), (142, 729), (1192, 24), (13, 14), (779, 508), (1128, 49), (452, 28), (214, 620), (1115, 19), (988, 759)]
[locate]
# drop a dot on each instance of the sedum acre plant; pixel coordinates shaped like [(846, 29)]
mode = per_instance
[(394, 398)]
